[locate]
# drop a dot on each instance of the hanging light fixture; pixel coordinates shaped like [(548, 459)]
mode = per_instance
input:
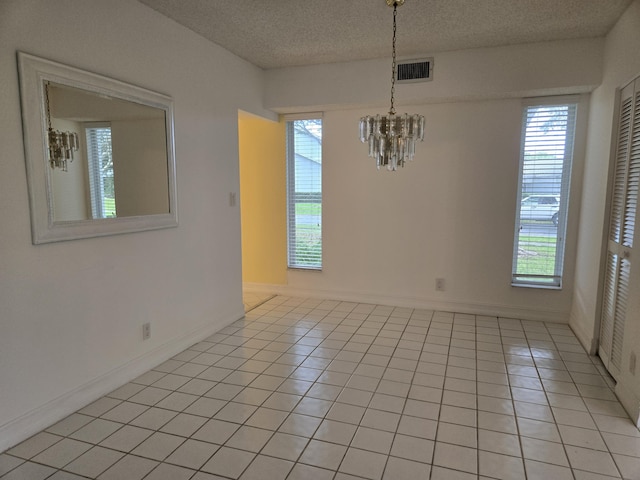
[(61, 144), (392, 137)]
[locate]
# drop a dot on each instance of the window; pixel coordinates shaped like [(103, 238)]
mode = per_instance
[(100, 160), (304, 193), (546, 152)]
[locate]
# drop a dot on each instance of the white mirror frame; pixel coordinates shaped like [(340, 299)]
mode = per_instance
[(34, 72)]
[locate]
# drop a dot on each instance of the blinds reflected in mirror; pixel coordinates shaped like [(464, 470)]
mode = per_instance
[(100, 162)]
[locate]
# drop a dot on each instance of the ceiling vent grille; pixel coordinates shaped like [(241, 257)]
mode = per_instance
[(415, 71)]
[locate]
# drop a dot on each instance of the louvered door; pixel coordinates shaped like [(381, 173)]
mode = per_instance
[(624, 203)]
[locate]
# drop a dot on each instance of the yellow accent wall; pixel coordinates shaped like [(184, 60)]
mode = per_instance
[(263, 200)]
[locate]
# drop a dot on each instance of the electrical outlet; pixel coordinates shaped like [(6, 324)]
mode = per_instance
[(232, 199), (146, 331), (439, 284), (632, 363)]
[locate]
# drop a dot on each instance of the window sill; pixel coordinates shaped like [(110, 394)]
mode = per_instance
[(543, 287)]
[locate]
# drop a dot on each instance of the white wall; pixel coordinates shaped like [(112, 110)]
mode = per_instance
[(71, 312), (621, 64), (140, 166), (70, 201), (550, 68), (451, 213)]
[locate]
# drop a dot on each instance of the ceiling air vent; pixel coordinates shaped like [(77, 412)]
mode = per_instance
[(414, 71)]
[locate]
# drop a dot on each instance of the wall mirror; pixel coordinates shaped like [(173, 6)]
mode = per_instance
[(99, 153)]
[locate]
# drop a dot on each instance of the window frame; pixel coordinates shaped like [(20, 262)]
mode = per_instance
[(292, 260), (555, 281)]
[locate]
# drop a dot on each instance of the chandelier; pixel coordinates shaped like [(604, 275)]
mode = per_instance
[(392, 138), (61, 144)]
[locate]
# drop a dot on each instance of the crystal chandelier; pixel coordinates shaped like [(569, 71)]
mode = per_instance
[(61, 144), (392, 137)]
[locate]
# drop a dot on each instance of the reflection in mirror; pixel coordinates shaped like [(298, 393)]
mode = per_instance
[(120, 169), (121, 177)]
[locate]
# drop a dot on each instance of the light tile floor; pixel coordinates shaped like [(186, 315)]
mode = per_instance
[(253, 299), (315, 390)]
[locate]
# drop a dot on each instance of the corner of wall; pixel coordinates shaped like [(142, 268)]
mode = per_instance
[(580, 324)]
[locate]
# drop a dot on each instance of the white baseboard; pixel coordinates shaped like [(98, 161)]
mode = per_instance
[(21, 428), (508, 311)]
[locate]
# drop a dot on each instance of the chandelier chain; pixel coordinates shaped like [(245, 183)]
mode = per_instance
[(392, 111), (392, 139)]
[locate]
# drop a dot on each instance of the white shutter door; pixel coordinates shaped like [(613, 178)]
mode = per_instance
[(624, 203)]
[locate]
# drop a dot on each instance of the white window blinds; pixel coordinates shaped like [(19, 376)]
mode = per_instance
[(546, 154), (100, 160), (304, 193)]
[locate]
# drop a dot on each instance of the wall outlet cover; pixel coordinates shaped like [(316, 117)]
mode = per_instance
[(146, 331)]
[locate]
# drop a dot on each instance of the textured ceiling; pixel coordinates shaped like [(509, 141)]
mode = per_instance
[(279, 33)]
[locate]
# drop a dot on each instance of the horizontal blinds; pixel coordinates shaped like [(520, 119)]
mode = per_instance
[(304, 187), (545, 167), (100, 171)]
